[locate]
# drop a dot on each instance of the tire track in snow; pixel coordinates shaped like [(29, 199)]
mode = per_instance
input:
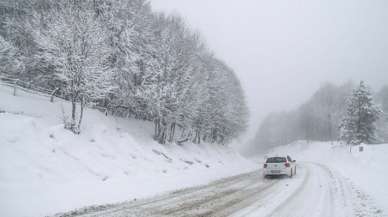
[(316, 191), (274, 198), (318, 196), (141, 207), (325, 194)]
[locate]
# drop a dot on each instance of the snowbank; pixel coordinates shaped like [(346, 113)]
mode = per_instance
[(368, 170), (45, 169)]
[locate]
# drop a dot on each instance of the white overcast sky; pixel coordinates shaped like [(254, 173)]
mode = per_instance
[(283, 50)]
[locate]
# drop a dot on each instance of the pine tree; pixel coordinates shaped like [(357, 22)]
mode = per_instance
[(358, 124)]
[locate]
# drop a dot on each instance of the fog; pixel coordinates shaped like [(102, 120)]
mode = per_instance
[(284, 50)]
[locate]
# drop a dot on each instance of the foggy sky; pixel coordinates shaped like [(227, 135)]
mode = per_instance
[(283, 50)]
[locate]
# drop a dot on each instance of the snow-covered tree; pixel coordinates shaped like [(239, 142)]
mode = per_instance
[(121, 55), (316, 119), (127, 25), (70, 37), (358, 124), (10, 59)]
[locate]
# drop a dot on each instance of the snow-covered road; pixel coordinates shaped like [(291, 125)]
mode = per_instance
[(316, 191)]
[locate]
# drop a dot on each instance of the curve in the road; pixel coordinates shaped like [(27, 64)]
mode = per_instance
[(316, 191)]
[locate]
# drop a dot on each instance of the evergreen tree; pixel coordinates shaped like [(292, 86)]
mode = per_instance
[(315, 120), (358, 124)]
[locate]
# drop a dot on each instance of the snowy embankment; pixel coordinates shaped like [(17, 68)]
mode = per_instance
[(367, 170), (45, 169)]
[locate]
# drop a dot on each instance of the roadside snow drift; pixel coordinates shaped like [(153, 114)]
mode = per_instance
[(45, 169), (366, 170)]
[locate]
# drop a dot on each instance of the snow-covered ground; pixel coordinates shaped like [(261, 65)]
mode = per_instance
[(316, 190), (45, 169), (365, 171)]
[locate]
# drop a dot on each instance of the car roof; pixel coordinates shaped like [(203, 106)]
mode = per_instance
[(272, 156)]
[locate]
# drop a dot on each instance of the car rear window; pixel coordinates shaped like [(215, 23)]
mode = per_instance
[(276, 160)]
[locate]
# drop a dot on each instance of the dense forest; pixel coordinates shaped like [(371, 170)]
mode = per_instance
[(122, 56), (318, 119)]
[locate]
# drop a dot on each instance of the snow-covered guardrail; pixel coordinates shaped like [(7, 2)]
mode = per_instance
[(29, 87), (17, 84)]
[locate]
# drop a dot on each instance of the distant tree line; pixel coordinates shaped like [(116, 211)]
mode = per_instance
[(382, 123), (320, 118), (121, 55)]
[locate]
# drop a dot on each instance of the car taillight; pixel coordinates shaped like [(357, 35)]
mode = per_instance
[(287, 164), (265, 165)]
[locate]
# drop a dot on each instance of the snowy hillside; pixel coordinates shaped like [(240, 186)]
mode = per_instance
[(367, 170), (46, 169)]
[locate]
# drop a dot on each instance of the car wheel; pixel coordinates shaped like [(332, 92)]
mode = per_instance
[(295, 171), (291, 174)]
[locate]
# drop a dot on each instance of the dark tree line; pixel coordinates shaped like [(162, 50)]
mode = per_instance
[(121, 55)]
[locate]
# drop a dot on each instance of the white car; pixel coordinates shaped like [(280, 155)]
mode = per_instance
[(276, 166)]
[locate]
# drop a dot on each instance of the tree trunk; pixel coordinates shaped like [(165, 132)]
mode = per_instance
[(81, 115), (73, 113), (162, 136), (160, 131), (183, 131), (214, 135), (53, 94), (222, 140), (194, 140), (172, 132), (14, 90), (157, 128), (197, 138)]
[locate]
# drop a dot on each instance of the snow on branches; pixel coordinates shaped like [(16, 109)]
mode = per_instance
[(134, 62), (358, 124)]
